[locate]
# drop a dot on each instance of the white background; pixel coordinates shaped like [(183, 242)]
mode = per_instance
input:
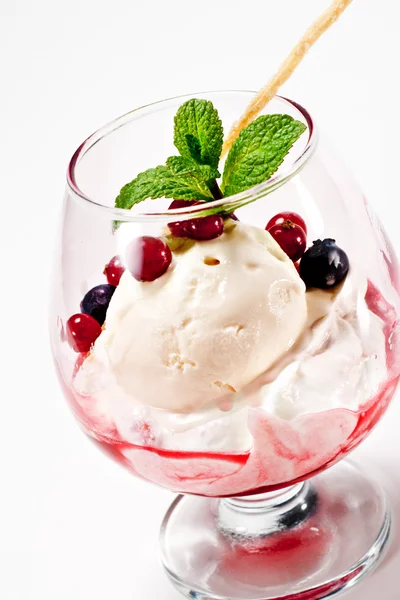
[(73, 525)]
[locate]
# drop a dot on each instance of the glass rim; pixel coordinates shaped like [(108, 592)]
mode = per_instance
[(228, 204)]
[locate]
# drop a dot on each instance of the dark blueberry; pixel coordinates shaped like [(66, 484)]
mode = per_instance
[(324, 265), (96, 301)]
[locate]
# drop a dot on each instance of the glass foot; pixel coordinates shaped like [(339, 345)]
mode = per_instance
[(307, 542)]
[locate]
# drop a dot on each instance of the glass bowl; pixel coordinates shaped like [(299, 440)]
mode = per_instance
[(223, 378)]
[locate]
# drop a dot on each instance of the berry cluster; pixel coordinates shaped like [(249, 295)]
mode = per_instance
[(147, 258), (323, 265), (84, 328)]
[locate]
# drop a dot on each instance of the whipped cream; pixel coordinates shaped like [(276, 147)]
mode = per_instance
[(340, 362)]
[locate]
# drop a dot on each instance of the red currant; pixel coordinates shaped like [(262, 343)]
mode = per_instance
[(113, 271), (205, 228), (182, 203), (148, 258), (291, 238), (201, 228), (287, 216), (179, 228), (82, 331)]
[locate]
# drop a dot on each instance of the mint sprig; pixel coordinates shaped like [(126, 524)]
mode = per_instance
[(258, 152), (180, 178), (254, 157)]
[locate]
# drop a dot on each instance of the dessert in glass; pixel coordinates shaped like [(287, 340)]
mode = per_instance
[(232, 346)]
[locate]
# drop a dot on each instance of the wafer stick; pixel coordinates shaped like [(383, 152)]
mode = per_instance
[(313, 33)]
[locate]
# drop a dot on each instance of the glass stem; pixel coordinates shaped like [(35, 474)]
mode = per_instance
[(264, 514)]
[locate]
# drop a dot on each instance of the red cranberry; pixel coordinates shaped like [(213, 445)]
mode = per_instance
[(181, 204), (82, 331), (179, 228), (113, 271), (201, 228), (291, 238), (287, 216), (148, 258), (205, 228)]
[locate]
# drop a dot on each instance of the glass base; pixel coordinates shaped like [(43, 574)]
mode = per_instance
[(307, 542)]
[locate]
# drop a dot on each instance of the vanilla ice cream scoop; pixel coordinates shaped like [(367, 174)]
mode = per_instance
[(222, 314)]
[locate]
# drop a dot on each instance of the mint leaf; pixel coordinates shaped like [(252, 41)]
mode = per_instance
[(198, 133), (185, 166), (259, 151), (194, 147), (181, 178)]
